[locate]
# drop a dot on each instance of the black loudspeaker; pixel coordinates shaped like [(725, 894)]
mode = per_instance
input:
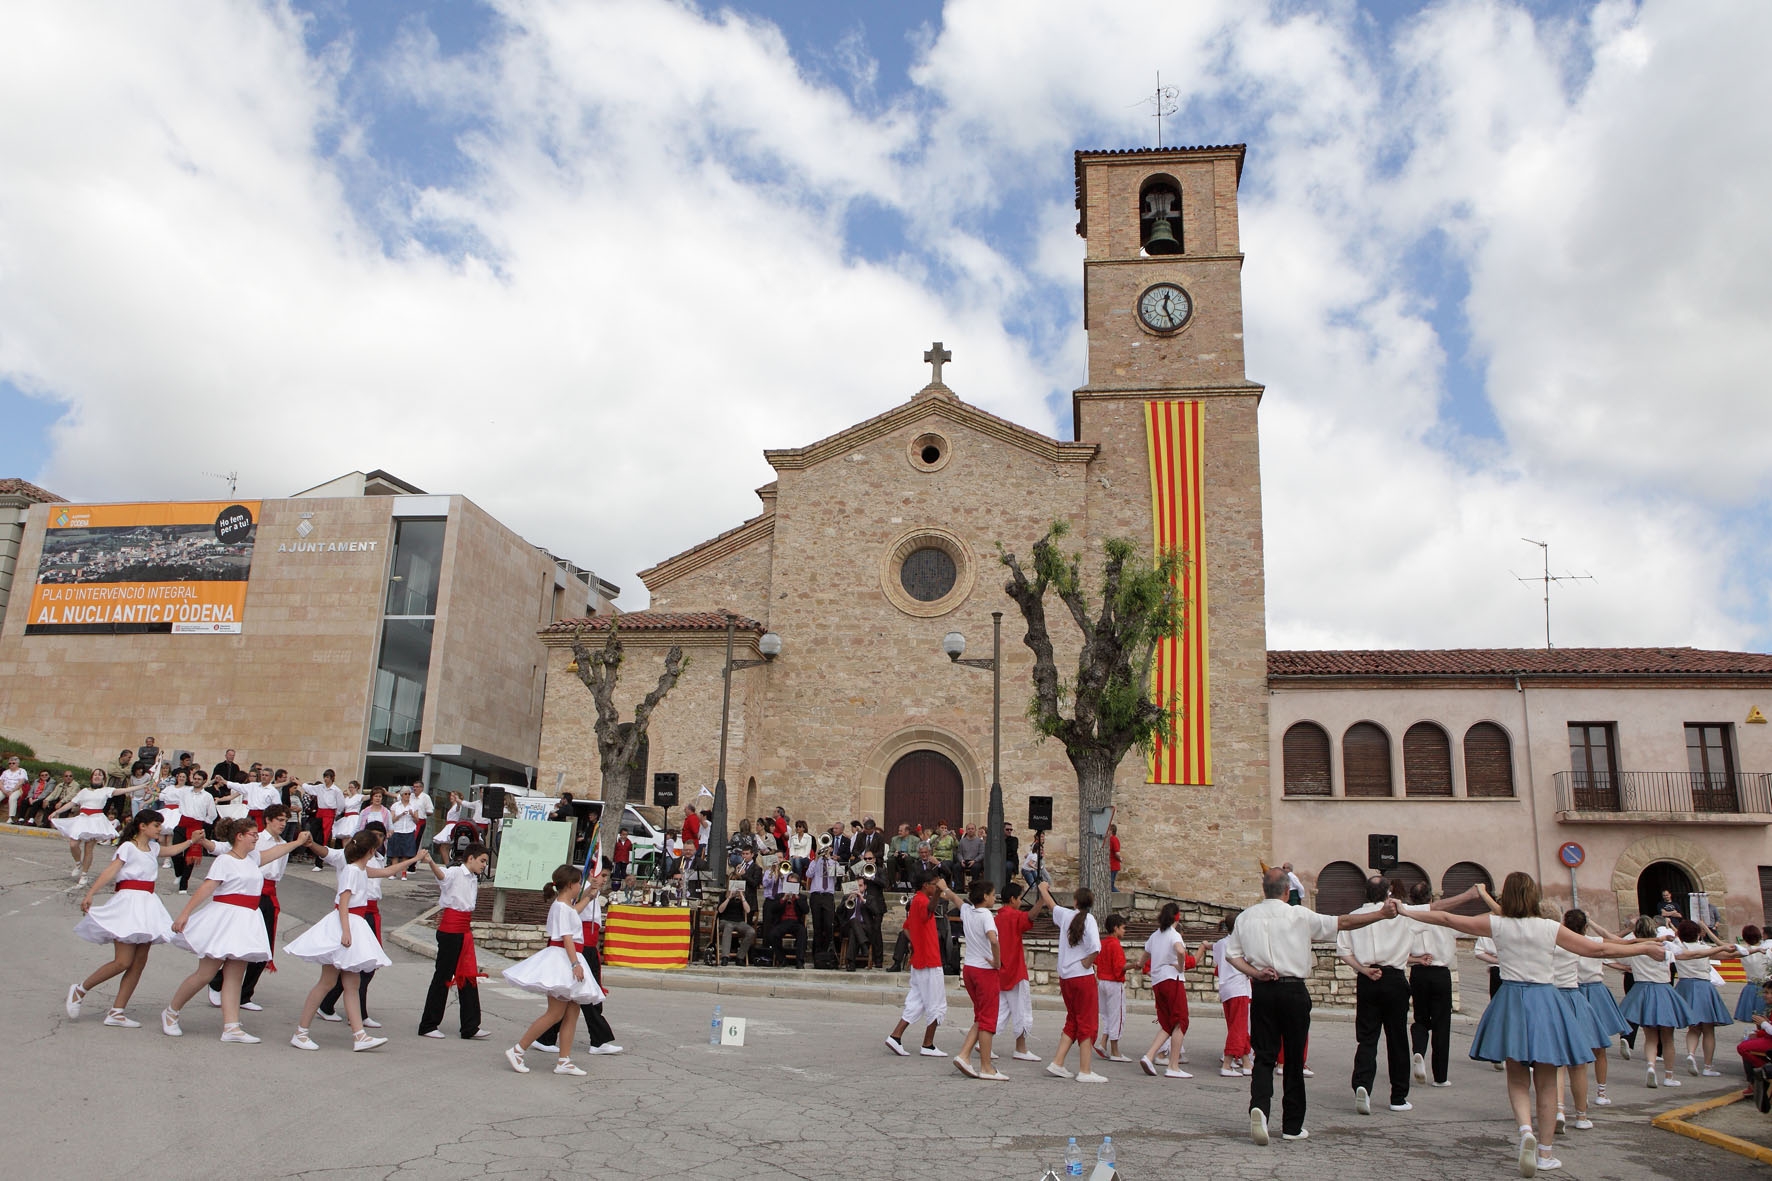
[(492, 804), (1040, 813), (1381, 851), (664, 789)]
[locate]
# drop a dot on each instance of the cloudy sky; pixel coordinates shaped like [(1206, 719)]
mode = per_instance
[(1509, 268)]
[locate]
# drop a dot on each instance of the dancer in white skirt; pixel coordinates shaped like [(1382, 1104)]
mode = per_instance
[(344, 945), (349, 821), (1526, 1026), (558, 972), (86, 823), (132, 920), (221, 924)]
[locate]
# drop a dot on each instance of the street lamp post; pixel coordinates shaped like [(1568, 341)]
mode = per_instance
[(770, 646), (954, 644)]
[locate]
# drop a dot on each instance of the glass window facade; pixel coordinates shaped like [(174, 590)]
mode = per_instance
[(397, 704)]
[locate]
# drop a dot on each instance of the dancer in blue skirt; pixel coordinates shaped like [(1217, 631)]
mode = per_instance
[(1756, 962), (1527, 1026), (1693, 984), (1590, 977), (1652, 1004)]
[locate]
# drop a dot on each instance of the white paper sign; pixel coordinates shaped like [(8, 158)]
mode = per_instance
[(535, 809), (732, 1031)]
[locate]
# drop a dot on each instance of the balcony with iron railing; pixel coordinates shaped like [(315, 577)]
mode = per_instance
[(1664, 797)]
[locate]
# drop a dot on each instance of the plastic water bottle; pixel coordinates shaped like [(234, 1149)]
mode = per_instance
[(1073, 1160), (1105, 1154), (714, 1028)]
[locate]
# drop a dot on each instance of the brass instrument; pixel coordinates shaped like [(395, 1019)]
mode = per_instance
[(824, 841)]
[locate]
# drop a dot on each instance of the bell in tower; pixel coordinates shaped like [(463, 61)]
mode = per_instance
[(1160, 216)]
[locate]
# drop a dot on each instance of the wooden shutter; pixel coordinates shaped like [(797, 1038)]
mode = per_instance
[(1341, 887), (1366, 761), (1306, 760), (1488, 762), (1427, 761), (1462, 877), (1766, 894), (1408, 873)]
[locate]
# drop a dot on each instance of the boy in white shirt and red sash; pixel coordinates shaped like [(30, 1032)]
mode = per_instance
[(456, 964)]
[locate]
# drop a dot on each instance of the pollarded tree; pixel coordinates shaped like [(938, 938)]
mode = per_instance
[(618, 742), (1112, 703)]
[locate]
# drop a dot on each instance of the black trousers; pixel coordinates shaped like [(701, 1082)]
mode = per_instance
[(1382, 1005), (253, 969), (1630, 982), (1279, 1016), (329, 1002), (181, 869), (863, 937), (779, 933), (596, 1026), (824, 921), (1430, 989), (437, 996)]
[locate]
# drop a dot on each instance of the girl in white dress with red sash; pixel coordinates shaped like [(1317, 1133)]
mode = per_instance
[(221, 925), (344, 945), (131, 920), (349, 821), (558, 972), (86, 824)]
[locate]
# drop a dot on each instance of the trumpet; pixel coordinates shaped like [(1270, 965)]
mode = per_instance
[(783, 869), (868, 873), (824, 841)]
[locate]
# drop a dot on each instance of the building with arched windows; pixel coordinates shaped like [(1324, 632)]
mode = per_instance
[(872, 544), (1653, 761)]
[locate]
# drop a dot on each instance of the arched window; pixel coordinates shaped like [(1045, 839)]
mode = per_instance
[(1159, 215), (1306, 760), (1341, 887), (1461, 877), (1488, 762), (1366, 761), (1427, 761), (1407, 872)]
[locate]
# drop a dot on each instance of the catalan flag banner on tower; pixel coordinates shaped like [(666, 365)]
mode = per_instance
[(647, 937), (1175, 439)]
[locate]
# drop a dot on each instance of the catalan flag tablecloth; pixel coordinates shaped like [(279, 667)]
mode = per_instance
[(647, 937)]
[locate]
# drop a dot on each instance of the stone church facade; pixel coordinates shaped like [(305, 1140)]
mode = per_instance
[(874, 543)]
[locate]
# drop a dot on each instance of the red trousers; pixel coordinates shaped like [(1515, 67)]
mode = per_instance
[(1082, 1009), (1754, 1051), (1236, 1026)]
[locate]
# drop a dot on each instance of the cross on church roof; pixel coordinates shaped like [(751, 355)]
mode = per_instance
[(937, 357)]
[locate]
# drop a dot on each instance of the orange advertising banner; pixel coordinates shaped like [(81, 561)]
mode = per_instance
[(109, 569)]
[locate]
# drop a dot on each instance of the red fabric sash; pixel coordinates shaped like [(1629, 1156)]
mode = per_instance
[(148, 886), (326, 815), (360, 910), (245, 901), (270, 891), (257, 816), (556, 943), (92, 811), (191, 829), (467, 964)]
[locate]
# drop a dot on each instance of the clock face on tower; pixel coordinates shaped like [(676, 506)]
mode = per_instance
[(1164, 307)]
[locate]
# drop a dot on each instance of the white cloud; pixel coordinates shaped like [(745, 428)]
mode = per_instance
[(655, 283)]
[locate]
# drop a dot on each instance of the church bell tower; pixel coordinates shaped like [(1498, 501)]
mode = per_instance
[(1179, 467)]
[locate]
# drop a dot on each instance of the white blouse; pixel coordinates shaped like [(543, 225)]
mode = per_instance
[(459, 889), (137, 865), (563, 921), (352, 878), (237, 875), (1524, 947)]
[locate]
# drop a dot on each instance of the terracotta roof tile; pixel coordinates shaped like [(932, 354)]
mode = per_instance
[(1491, 662), (11, 486), (659, 621)]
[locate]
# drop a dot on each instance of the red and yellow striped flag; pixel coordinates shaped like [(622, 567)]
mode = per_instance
[(1175, 434), (647, 937)]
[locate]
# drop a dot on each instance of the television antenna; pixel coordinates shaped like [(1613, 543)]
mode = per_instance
[(233, 479), (1546, 579), (1164, 100)]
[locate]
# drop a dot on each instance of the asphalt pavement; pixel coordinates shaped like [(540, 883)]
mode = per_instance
[(812, 1094)]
